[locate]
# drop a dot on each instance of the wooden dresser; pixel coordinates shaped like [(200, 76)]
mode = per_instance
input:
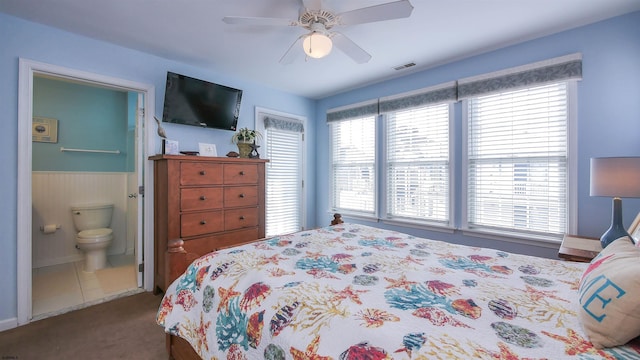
[(208, 202)]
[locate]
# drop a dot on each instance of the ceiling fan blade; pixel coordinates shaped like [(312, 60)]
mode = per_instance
[(246, 20), (350, 48), (293, 51), (392, 10), (312, 4)]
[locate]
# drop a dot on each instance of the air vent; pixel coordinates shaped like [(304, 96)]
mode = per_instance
[(407, 65)]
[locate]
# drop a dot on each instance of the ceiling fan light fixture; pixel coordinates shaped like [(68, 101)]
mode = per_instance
[(317, 45)]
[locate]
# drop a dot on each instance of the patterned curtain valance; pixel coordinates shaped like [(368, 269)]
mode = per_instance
[(287, 124), (553, 70), (435, 94), (354, 111)]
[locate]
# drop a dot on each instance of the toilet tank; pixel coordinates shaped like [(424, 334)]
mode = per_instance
[(91, 216)]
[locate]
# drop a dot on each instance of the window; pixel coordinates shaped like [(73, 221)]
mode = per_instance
[(414, 167), (417, 164), (284, 139), (353, 165), (517, 160), (516, 141)]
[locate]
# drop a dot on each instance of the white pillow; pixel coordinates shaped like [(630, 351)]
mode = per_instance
[(610, 295)]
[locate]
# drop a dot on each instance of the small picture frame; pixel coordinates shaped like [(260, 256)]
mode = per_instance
[(170, 147), (208, 149), (634, 230), (44, 130)]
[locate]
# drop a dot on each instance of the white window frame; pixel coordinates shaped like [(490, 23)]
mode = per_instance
[(449, 224), (349, 212), (433, 95), (259, 114), (524, 237)]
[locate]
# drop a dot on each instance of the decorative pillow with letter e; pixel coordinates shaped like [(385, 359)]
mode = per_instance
[(610, 295)]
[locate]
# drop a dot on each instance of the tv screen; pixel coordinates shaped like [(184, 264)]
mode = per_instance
[(190, 101)]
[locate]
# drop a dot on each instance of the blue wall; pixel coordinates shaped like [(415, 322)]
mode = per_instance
[(88, 118), (608, 111), (608, 114), (23, 39)]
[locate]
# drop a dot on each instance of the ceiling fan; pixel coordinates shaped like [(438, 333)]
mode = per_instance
[(320, 39)]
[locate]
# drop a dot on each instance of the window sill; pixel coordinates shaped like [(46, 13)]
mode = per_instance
[(530, 239), (419, 225), (344, 214), (399, 223)]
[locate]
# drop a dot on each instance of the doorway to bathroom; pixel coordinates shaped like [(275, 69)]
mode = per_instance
[(86, 144)]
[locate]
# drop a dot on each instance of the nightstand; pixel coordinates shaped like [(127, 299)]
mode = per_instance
[(578, 248)]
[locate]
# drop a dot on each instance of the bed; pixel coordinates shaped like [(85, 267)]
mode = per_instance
[(351, 291)]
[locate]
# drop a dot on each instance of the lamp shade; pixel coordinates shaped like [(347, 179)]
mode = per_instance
[(317, 45), (615, 177)]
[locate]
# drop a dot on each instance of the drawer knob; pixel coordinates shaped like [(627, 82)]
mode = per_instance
[(203, 222), (202, 197), (241, 172), (202, 172), (241, 195), (241, 217)]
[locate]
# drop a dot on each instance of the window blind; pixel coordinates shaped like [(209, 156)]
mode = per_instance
[(353, 165), (417, 163), (517, 165), (283, 209)]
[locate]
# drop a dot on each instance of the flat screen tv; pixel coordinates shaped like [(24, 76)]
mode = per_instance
[(190, 101)]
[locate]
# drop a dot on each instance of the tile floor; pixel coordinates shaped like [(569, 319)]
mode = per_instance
[(60, 288)]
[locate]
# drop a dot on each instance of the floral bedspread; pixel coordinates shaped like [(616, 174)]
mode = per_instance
[(358, 292)]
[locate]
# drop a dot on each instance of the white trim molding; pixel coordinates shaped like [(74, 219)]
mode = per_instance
[(27, 70)]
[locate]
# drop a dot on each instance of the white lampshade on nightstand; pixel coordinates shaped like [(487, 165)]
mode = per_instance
[(615, 177)]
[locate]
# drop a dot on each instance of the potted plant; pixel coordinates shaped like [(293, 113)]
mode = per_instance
[(245, 138)]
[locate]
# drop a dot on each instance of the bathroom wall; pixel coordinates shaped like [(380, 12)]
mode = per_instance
[(88, 118), (54, 193)]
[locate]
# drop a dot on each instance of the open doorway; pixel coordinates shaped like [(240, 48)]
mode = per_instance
[(144, 95)]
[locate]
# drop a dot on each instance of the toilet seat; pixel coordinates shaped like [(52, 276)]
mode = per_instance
[(94, 235)]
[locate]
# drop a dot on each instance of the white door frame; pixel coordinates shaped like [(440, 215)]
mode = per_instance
[(27, 69), (259, 125)]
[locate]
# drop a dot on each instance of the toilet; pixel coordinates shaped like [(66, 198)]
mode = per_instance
[(92, 222)]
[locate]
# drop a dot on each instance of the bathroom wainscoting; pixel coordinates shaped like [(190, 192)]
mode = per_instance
[(53, 193)]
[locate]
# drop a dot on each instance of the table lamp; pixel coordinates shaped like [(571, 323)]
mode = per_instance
[(615, 177)]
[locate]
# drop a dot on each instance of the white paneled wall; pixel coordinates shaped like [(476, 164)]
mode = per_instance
[(53, 193)]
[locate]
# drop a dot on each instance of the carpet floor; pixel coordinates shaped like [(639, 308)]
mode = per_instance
[(123, 328)]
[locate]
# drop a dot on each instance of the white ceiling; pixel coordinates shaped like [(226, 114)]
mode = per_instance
[(191, 31)]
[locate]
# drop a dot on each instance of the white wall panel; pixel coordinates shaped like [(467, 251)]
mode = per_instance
[(53, 194)]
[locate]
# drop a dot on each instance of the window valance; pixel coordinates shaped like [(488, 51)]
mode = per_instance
[(435, 94), (366, 108), (561, 68), (567, 67), (281, 123)]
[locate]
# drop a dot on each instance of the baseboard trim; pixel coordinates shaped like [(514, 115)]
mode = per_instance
[(8, 324), (58, 261)]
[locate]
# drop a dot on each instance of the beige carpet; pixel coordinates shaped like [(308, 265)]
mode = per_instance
[(124, 328), (117, 279)]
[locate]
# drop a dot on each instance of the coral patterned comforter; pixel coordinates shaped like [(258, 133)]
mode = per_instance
[(357, 292)]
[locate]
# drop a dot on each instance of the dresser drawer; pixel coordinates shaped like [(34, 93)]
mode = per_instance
[(237, 196), (201, 198), (206, 244), (240, 174), (240, 218), (200, 173), (193, 224)]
